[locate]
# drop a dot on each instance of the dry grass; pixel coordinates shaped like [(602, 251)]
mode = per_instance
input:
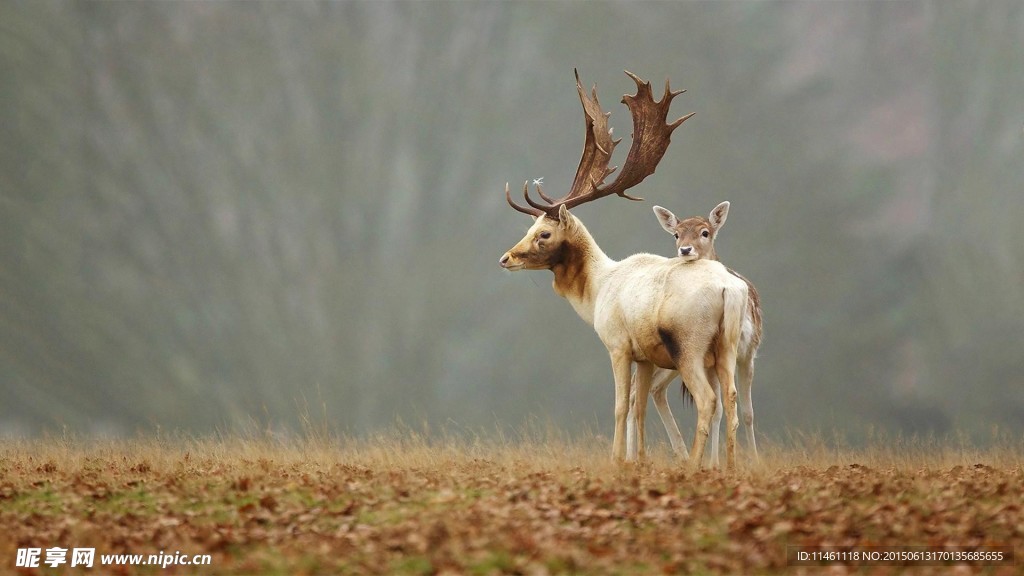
[(537, 503)]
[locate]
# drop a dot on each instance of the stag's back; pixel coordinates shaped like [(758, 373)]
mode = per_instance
[(646, 298)]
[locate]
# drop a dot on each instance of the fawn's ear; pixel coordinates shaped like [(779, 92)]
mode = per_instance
[(667, 219), (718, 215)]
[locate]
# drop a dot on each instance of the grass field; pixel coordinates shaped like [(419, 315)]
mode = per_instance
[(401, 504)]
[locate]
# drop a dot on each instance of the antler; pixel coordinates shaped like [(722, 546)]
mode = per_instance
[(651, 137)]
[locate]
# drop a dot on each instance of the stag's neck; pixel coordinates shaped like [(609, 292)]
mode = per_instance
[(579, 271)]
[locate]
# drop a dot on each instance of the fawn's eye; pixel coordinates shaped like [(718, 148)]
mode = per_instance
[(676, 235), (705, 233), (545, 235)]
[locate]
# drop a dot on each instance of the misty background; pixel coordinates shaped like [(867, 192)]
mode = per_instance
[(220, 214)]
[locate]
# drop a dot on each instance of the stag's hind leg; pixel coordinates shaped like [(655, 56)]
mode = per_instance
[(696, 381), (735, 299), (727, 392)]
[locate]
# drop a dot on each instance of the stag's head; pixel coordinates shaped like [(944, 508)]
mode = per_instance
[(545, 243), (695, 236), (553, 226)]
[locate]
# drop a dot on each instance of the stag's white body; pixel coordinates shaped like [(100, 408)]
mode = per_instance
[(645, 292)]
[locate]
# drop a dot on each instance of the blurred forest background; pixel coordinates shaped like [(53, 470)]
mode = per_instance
[(214, 214)]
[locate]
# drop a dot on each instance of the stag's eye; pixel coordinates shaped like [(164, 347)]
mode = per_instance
[(705, 233), (545, 235), (676, 235)]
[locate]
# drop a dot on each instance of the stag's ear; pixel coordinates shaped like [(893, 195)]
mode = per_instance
[(718, 215), (667, 218), (564, 219)]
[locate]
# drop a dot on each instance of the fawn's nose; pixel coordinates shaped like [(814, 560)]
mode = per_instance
[(503, 261), (685, 250)]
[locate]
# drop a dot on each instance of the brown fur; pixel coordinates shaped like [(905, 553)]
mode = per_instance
[(570, 279)]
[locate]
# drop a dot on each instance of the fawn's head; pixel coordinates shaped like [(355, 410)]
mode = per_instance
[(695, 236)]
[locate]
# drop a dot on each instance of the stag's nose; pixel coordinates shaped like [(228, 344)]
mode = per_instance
[(503, 261), (685, 250)]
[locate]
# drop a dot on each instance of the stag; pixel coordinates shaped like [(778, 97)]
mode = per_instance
[(695, 240), (646, 309)]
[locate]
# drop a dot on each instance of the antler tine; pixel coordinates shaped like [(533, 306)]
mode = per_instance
[(530, 211), (526, 195), (545, 197), (670, 93), (682, 119)]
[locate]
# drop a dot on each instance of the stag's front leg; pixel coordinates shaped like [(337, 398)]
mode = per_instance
[(621, 368), (631, 423), (660, 379), (643, 390)]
